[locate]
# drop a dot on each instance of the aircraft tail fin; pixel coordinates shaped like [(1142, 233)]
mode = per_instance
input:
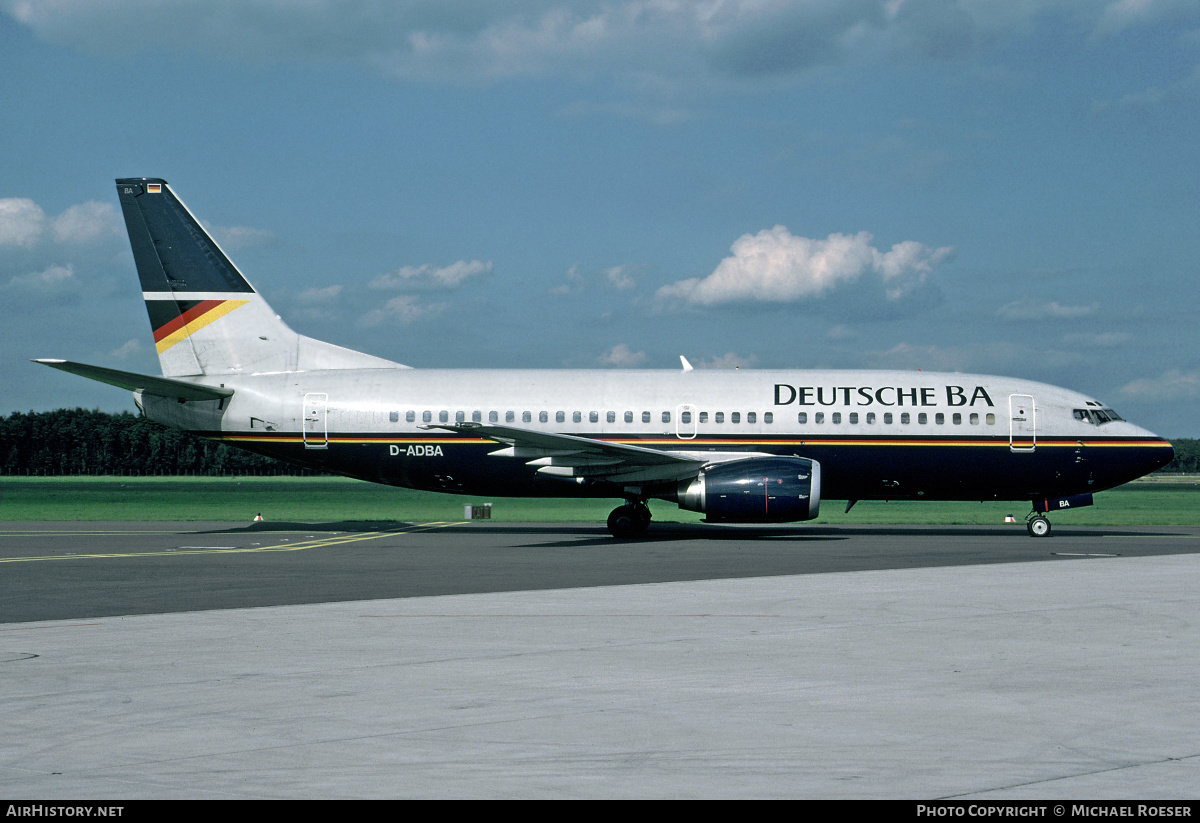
[(206, 318)]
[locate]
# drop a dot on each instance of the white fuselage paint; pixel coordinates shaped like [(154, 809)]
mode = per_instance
[(361, 401)]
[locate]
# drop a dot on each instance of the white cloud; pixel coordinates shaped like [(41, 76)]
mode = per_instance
[(239, 237), (22, 221), (404, 310), (1030, 309), (619, 278), (1119, 15), (1098, 340), (318, 295), (85, 222), (127, 349), (622, 356), (49, 278), (657, 46), (574, 283), (432, 277), (729, 360), (775, 266), (1170, 385)]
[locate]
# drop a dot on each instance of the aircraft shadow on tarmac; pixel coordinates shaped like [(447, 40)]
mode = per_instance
[(668, 532)]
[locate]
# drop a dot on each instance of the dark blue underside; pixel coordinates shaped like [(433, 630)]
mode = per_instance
[(861, 471)]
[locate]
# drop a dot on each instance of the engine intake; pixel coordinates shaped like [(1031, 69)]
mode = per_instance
[(755, 490)]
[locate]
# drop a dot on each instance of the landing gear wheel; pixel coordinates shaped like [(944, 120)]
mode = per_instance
[(623, 522), (641, 516), (1038, 527)]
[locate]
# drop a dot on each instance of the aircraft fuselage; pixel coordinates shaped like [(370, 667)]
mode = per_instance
[(877, 434)]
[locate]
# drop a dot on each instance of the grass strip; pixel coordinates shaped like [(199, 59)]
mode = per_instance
[(1159, 502)]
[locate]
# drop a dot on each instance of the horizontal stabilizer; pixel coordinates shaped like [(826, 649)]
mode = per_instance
[(146, 384)]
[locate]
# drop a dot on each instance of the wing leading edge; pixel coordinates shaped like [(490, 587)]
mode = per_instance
[(566, 455)]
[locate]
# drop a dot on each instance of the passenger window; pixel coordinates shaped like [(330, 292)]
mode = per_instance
[(854, 418), (836, 417), (628, 417), (685, 417), (957, 419), (719, 417), (526, 417), (476, 416), (703, 417), (510, 417), (443, 417), (394, 417), (768, 417), (904, 418), (560, 417), (751, 417), (666, 417), (410, 417), (991, 419), (871, 417), (735, 417), (974, 418), (645, 417), (801, 418), (594, 417), (922, 418), (426, 416), (819, 417), (460, 417), (543, 417), (887, 418), (611, 417), (939, 418), (493, 417), (576, 417)]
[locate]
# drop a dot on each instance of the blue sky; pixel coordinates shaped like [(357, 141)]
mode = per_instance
[(997, 186)]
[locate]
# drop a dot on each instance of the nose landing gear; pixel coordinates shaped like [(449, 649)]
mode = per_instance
[(629, 520), (1037, 525)]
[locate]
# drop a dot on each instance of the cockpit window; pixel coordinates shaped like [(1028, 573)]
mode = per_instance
[(1096, 416)]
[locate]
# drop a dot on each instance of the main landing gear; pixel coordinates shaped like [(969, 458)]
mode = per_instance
[(629, 520)]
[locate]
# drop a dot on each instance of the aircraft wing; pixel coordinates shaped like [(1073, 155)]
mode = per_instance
[(144, 383), (566, 455)]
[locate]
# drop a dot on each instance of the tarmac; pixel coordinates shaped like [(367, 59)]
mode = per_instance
[(1073, 675)]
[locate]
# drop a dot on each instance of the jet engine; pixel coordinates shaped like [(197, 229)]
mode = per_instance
[(755, 490)]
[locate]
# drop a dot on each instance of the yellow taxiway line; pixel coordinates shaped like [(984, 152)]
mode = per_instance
[(315, 543)]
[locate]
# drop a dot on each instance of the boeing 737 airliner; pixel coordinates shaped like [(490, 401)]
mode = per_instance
[(746, 446)]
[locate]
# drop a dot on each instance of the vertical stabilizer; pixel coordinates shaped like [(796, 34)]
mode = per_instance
[(205, 317)]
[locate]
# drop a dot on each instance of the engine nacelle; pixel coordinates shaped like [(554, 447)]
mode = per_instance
[(755, 490)]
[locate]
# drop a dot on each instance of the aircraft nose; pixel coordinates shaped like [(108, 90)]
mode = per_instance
[(1154, 452), (1166, 453)]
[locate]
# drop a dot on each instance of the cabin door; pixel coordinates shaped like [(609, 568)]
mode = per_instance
[(316, 434), (1022, 426), (685, 422)]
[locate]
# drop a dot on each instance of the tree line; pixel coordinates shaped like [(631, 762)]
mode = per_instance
[(83, 442), (80, 442)]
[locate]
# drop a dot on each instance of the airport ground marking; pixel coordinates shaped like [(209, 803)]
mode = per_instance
[(287, 546)]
